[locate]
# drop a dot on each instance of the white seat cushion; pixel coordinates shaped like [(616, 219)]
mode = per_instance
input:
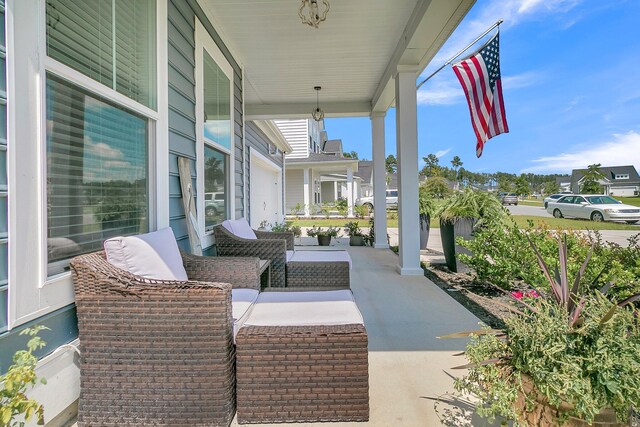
[(321, 256), (240, 228), (305, 309), (241, 302), (153, 255), (289, 255)]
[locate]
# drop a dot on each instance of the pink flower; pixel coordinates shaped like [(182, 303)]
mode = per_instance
[(517, 294), (532, 294)]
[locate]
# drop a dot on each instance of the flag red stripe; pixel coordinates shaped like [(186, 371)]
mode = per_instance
[(505, 126), (483, 78), (468, 96), (472, 88)]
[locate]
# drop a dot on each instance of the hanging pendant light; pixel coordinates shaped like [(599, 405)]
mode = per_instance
[(311, 16), (317, 114)]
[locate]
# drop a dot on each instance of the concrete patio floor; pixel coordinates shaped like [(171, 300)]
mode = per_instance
[(407, 363)]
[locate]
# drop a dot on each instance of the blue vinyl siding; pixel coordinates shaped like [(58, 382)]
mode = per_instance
[(182, 119)]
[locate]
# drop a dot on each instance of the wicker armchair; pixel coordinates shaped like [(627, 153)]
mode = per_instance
[(158, 352), (268, 245)]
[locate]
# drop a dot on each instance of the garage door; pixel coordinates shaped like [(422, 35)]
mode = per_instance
[(622, 191), (266, 192)]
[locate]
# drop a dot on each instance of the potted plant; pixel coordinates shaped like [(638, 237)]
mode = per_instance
[(426, 207), (324, 236), (460, 214), (356, 238), (563, 357)]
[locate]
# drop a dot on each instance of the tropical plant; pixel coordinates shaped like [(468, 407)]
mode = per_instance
[(456, 163), (21, 376), (563, 353), (432, 166), (391, 164), (352, 229), (473, 204), (315, 231)]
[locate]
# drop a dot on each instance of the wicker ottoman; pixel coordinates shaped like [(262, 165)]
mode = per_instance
[(302, 357), (317, 270)]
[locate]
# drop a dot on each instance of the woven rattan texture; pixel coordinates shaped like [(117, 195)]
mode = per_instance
[(275, 249), (152, 352), (318, 275), (302, 374)]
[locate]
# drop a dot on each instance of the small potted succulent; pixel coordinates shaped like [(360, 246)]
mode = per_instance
[(564, 357), (324, 236), (356, 238)]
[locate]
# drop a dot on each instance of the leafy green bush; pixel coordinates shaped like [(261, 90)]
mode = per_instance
[(287, 226), (21, 376), (352, 229), (502, 256)]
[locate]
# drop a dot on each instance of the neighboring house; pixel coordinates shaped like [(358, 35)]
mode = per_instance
[(365, 173), (98, 103), (564, 183), (622, 181), (316, 170)]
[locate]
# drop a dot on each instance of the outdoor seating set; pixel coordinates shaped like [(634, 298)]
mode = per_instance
[(169, 338)]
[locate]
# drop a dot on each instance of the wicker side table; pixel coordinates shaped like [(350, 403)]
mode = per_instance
[(330, 271)]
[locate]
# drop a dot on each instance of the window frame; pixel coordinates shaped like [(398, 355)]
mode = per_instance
[(204, 42), (32, 293)]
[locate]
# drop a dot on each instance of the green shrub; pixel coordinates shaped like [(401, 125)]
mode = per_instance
[(319, 231), (20, 377), (473, 204), (287, 226), (502, 256)]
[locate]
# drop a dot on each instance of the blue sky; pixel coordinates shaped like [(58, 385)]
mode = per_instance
[(571, 82)]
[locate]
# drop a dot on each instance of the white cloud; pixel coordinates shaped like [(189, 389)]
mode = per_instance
[(102, 150), (512, 11), (520, 80), (442, 152), (623, 149)]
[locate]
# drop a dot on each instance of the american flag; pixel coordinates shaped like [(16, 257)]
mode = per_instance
[(479, 75)]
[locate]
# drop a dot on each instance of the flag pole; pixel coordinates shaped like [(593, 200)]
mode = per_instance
[(498, 22)]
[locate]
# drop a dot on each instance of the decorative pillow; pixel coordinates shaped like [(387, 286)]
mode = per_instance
[(153, 255), (240, 228)]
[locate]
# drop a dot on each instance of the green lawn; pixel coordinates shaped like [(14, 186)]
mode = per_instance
[(576, 224), (635, 201), (530, 202)]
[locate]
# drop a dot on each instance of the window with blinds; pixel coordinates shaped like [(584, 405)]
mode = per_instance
[(97, 172), (111, 41)]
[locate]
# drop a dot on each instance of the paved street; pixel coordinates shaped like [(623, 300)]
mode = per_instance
[(528, 210)]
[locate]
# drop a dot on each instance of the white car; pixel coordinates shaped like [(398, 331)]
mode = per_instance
[(593, 207), (392, 200), (553, 198)]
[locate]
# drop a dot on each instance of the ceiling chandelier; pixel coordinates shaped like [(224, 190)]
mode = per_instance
[(312, 16), (317, 114)]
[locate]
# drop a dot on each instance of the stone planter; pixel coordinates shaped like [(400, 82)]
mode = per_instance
[(449, 231), (543, 415), (356, 241), (425, 227), (324, 240)]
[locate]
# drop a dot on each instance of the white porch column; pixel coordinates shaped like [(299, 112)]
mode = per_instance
[(379, 180), (349, 192), (306, 191), (335, 191), (407, 154)]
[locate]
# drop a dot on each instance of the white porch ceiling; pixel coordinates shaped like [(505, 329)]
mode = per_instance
[(353, 55)]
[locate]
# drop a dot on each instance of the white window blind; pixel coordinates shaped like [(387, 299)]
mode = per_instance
[(111, 41), (97, 172)]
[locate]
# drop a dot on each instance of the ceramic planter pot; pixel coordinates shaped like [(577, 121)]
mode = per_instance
[(324, 240), (449, 231), (424, 231), (356, 241), (545, 415)]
